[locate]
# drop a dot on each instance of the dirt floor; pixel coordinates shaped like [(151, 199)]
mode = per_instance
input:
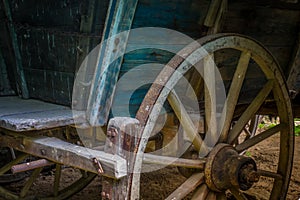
[(159, 184)]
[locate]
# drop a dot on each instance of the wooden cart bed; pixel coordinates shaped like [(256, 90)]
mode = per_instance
[(18, 114)]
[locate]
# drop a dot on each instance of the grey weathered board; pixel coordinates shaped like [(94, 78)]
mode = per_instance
[(17, 114)]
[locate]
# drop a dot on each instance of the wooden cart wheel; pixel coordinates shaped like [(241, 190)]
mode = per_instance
[(25, 189), (219, 170)]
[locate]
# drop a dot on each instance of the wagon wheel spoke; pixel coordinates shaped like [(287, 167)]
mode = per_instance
[(221, 196), (29, 183), (211, 196), (250, 112), (210, 98), (186, 122), (201, 193), (7, 167), (260, 137), (177, 162), (27, 188), (238, 194), (188, 186), (232, 97), (57, 179)]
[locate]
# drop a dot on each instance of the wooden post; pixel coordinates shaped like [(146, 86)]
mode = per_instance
[(19, 73), (122, 135), (120, 16)]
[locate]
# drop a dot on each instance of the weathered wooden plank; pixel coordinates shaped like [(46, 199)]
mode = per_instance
[(188, 186), (24, 115), (18, 70), (119, 18), (65, 153)]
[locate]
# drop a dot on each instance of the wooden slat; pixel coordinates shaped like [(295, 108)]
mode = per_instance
[(238, 194), (210, 99), (260, 137), (65, 153), (211, 196), (233, 94), (201, 193), (119, 18), (250, 111), (188, 125), (188, 186), (179, 162), (17, 114), (18, 70)]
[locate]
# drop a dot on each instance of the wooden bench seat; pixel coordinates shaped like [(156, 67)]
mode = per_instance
[(18, 114)]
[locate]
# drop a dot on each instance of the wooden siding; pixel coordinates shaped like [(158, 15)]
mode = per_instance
[(274, 27), (49, 33), (183, 16)]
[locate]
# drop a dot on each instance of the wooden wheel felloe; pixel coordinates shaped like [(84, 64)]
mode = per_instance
[(252, 80)]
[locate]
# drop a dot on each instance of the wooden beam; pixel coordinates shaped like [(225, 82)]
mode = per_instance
[(119, 18), (19, 72), (65, 153)]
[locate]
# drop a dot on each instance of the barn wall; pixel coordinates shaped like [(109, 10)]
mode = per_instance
[(49, 34)]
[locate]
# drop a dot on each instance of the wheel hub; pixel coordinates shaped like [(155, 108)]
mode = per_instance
[(225, 169)]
